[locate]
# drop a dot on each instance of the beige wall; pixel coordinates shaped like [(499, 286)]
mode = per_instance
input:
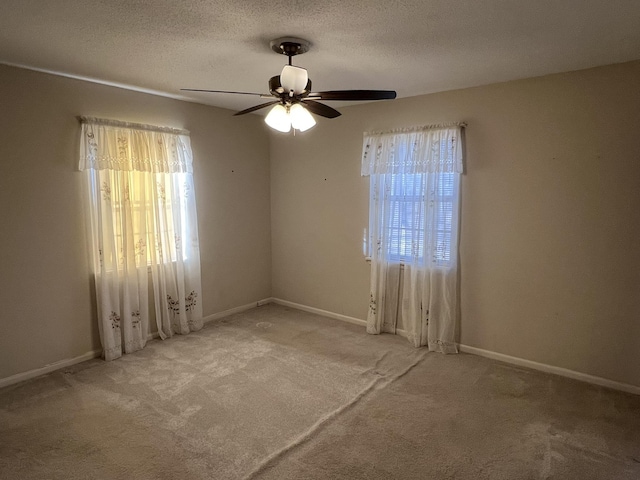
[(550, 262), (46, 312), (550, 215)]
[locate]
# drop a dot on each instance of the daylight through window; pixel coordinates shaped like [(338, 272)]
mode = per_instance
[(407, 229)]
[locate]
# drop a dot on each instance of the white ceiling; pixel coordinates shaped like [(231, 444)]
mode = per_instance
[(414, 47)]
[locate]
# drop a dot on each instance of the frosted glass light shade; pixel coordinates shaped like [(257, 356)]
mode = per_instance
[(293, 78), (278, 119), (301, 119)]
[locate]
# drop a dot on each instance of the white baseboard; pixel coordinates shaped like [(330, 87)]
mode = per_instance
[(318, 311), (327, 313), (231, 311), (20, 377), (36, 372), (265, 301), (564, 372), (542, 367)]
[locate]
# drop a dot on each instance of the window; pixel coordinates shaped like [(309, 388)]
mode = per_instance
[(406, 226), (143, 231), (413, 222), (139, 219), (414, 196)]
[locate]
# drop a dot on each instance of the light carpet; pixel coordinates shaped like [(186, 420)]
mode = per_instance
[(282, 394)]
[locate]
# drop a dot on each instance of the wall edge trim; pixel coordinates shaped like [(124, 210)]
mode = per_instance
[(319, 311), (543, 367), (51, 367), (241, 308), (521, 362), (123, 86), (67, 362)]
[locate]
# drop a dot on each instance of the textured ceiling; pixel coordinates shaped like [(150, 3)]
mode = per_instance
[(414, 47)]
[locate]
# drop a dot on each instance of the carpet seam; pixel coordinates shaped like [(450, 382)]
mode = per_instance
[(319, 425), (374, 369)]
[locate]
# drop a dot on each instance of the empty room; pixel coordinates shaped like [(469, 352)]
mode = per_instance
[(341, 240)]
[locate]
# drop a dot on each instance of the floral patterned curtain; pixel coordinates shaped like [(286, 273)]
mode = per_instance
[(413, 232), (144, 238)]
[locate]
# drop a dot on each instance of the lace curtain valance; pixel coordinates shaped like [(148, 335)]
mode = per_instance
[(121, 146), (418, 150)]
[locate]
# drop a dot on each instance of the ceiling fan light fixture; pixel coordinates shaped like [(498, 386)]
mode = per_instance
[(293, 94), (294, 78), (278, 119), (301, 119)]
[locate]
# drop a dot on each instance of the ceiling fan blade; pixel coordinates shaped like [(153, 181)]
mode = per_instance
[(257, 107), (222, 91), (321, 109), (294, 78), (354, 95)]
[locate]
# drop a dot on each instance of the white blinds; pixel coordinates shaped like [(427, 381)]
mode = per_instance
[(407, 226)]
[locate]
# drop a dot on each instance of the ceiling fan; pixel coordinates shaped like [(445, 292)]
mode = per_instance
[(293, 96)]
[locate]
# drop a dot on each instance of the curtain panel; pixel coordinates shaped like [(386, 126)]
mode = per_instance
[(143, 232), (413, 232)]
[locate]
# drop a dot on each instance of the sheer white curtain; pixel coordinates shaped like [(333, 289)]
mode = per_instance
[(413, 229), (143, 231)]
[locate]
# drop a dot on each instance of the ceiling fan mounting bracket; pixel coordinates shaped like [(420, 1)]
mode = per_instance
[(290, 46)]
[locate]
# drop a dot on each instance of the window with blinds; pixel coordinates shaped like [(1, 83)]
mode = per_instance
[(408, 232)]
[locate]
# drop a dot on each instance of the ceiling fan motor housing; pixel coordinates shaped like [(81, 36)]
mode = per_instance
[(290, 46)]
